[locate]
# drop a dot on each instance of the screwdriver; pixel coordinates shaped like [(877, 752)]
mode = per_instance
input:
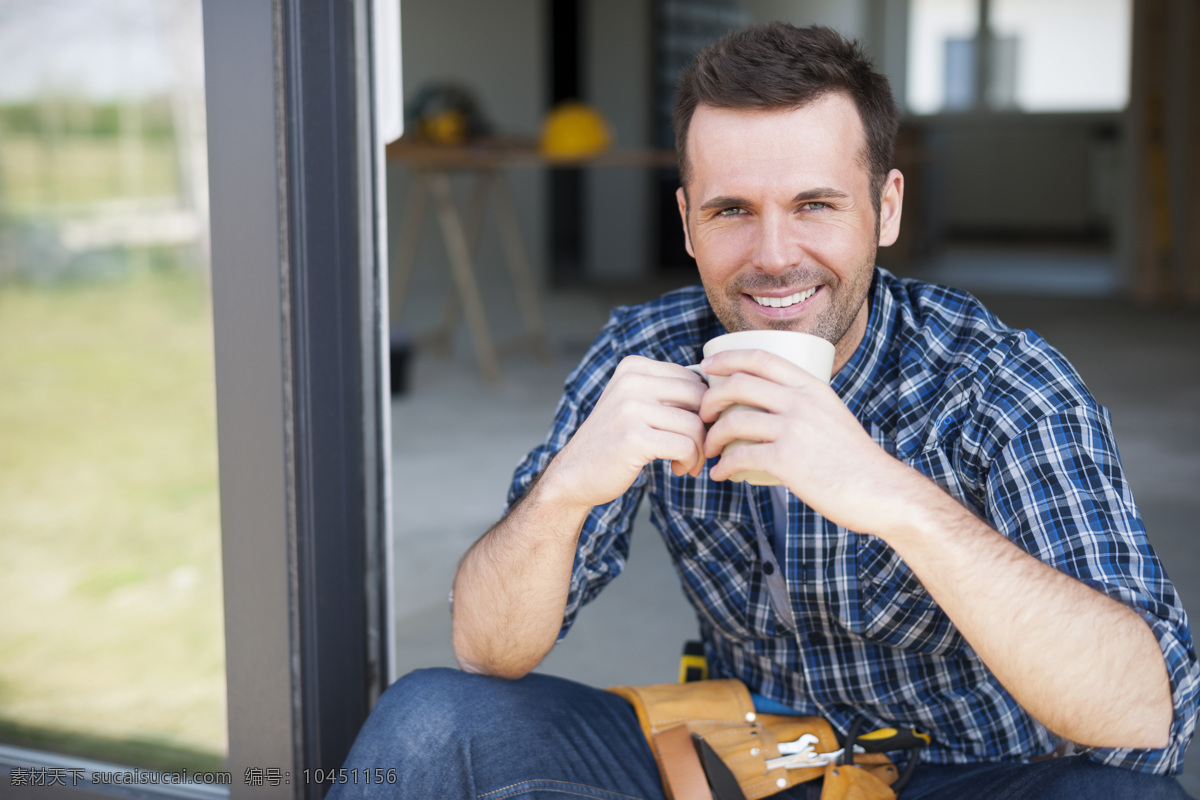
[(885, 739)]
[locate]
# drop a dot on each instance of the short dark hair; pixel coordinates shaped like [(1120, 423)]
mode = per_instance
[(778, 66)]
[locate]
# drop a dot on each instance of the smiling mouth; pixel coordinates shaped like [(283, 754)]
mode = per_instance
[(784, 302)]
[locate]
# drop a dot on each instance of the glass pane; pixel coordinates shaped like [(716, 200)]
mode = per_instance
[(1070, 55), (941, 55), (110, 587)]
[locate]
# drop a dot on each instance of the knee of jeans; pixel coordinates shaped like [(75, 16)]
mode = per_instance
[(430, 710)]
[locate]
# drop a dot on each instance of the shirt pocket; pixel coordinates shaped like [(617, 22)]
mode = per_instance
[(721, 572), (893, 608)]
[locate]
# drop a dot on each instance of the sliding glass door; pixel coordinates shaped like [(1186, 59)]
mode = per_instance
[(193, 503)]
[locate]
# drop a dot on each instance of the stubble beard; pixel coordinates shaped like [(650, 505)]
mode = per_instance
[(832, 325)]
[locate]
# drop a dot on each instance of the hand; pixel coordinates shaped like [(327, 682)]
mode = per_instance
[(808, 439), (647, 411)]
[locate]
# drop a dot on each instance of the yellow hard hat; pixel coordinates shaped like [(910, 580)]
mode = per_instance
[(574, 130)]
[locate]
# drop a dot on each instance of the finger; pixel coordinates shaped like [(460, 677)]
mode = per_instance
[(757, 362), (742, 457), (645, 415), (694, 468), (633, 364), (681, 468), (677, 448), (744, 424), (669, 384), (682, 423), (641, 365), (747, 390), (683, 391)]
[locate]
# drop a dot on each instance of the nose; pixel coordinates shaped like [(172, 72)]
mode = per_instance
[(776, 249)]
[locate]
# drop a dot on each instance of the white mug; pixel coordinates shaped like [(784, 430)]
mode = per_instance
[(811, 353)]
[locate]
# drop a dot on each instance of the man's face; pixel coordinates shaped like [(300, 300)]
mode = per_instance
[(779, 217)]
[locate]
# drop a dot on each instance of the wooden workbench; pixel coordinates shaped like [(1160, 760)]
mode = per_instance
[(487, 162)]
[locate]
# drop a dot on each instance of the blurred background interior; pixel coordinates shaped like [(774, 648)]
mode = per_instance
[(1050, 147)]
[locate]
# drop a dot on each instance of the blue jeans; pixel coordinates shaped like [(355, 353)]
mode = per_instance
[(447, 734)]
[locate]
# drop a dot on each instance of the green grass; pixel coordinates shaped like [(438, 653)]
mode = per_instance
[(110, 586)]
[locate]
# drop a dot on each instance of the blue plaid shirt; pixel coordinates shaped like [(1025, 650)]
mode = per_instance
[(994, 416)]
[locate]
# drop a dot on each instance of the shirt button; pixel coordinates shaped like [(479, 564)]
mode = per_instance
[(816, 637), (768, 568)]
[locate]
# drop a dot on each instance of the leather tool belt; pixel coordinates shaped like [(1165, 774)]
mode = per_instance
[(709, 742)]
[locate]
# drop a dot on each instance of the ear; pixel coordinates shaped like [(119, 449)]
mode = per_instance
[(890, 206), (681, 199)]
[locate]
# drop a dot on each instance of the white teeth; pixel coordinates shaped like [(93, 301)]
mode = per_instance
[(784, 302)]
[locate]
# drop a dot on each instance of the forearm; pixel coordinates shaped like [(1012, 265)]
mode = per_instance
[(511, 586), (1086, 666)]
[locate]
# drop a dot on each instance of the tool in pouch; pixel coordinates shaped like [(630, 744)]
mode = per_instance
[(710, 743)]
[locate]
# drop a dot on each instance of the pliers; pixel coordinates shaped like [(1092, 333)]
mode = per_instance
[(801, 753)]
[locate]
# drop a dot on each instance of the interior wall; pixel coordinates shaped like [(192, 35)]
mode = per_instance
[(847, 16), (886, 37), (617, 80), (1033, 174)]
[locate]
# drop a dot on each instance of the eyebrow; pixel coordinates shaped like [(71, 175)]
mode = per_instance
[(820, 193), (807, 196), (723, 201)]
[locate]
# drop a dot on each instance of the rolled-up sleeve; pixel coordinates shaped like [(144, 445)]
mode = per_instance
[(1057, 490)]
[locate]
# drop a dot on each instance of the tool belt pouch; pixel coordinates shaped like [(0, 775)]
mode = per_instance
[(721, 712)]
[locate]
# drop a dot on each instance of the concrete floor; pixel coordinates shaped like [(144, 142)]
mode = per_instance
[(456, 442)]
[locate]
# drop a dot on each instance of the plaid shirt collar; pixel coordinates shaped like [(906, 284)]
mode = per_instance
[(854, 381)]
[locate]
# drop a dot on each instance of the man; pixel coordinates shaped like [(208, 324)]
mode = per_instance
[(954, 548)]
